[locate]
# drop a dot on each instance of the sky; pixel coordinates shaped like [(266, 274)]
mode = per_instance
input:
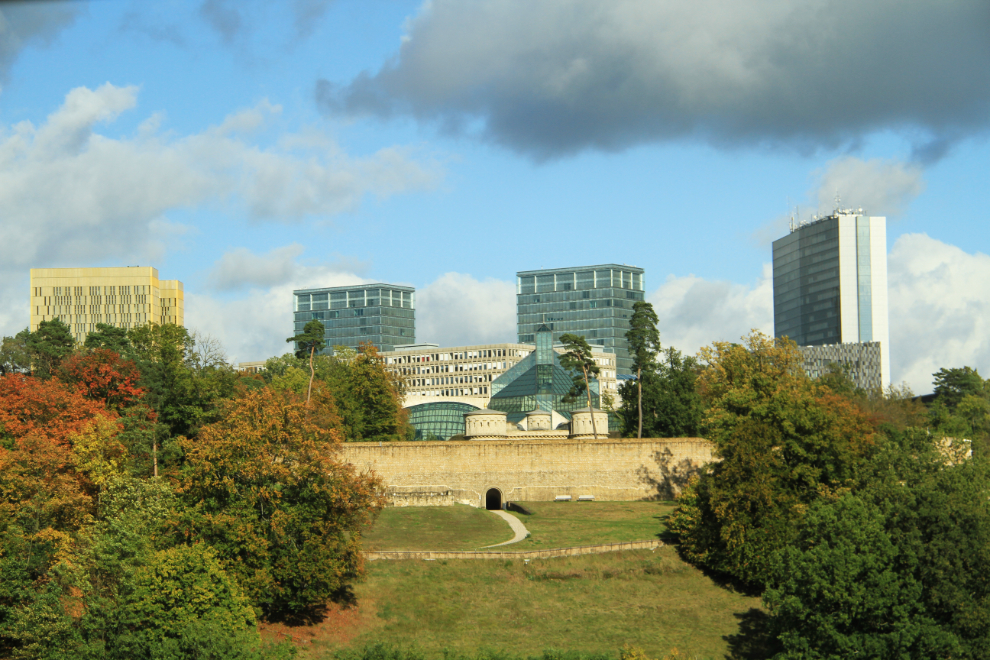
[(248, 148)]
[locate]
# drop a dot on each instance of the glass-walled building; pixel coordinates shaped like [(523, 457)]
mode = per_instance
[(382, 314), (592, 301), (830, 284)]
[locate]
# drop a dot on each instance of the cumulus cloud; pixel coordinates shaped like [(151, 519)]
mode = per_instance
[(241, 268), (70, 196), (549, 78), (880, 187), (459, 310), (254, 325), (939, 310), (694, 312), (23, 23), (939, 297)]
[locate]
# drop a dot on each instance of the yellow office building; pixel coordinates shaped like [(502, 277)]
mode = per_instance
[(122, 297)]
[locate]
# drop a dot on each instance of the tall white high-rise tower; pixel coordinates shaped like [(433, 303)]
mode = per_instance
[(830, 290)]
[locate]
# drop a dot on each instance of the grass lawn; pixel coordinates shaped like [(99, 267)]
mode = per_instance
[(594, 603), (457, 527), (568, 524), (590, 604)]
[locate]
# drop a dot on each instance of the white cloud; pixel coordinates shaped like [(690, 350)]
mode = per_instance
[(240, 267), (939, 309), (694, 312), (255, 325), (70, 196), (879, 187), (458, 310)]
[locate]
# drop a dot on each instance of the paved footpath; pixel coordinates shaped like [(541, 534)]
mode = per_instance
[(516, 525)]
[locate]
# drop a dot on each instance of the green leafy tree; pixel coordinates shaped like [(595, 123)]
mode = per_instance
[(841, 591), (110, 337), (51, 343), (672, 406), (577, 358), (15, 356), (783, 443), (895, 569), (644, 344), (310, 341), (951, 385)]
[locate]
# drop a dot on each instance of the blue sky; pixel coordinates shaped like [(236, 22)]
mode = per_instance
[(248, 148)]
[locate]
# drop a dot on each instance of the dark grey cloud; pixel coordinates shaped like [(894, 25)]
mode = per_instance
[(548, 78), (23, 23)]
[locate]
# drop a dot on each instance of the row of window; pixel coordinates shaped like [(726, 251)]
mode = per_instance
[(451, 380), (580, 280)]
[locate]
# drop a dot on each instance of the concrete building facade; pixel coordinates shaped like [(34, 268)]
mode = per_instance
[(127, 297), (592, 301), (830, 285)]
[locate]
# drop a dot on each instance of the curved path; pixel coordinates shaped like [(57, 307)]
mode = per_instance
[(517, 527)]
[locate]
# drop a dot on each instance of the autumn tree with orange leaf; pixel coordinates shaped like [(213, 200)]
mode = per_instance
[(267, 489)]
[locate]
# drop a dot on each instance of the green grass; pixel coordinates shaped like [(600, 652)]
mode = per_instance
[(594, 603), (568, 524), (455, 527)]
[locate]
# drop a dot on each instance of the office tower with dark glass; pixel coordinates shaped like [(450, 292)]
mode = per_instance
[(382, 314), (830, 290), (592, 301)]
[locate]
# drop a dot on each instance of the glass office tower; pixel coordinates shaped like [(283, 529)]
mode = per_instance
[(830, 283), (592, 301), (383, 314)]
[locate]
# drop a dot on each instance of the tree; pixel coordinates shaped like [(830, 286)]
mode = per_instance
[(310, 341), (897, 567), (644, 344), (577, 356), (49, 345), (672, 407), (839, 591), (15, 356), (264, 486), (109, 337), (784, 443), (103, 376), (951, 385)]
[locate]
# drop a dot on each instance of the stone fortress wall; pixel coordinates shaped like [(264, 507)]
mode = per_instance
[(445, 473)]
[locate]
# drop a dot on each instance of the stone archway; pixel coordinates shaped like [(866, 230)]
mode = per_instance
[(493, 499)]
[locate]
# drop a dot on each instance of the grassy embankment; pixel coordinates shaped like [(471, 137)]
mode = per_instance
[(595, 603)]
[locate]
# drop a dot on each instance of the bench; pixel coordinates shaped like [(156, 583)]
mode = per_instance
[(562, 498), (586, 498)]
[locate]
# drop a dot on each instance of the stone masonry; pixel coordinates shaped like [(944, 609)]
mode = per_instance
[(443, 473)]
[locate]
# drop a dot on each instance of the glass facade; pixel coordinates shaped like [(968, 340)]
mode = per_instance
[(809, 288), (806, 285), (383, 314), (440, 420), (538, 382), (592, 301)]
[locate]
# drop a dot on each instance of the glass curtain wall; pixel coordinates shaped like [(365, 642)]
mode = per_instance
[(382, 314), (592, 301)]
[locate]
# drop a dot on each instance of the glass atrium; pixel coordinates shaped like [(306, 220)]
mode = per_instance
[(538, 382), (592, 301), (439, 420), (383, 314)]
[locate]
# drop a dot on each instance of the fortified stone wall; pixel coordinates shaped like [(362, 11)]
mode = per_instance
[(440, 473)]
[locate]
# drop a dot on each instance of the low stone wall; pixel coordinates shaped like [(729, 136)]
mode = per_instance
[(526, 554), (531, 470)]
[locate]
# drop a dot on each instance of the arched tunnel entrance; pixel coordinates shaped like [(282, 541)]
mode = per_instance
[(493, 499)]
